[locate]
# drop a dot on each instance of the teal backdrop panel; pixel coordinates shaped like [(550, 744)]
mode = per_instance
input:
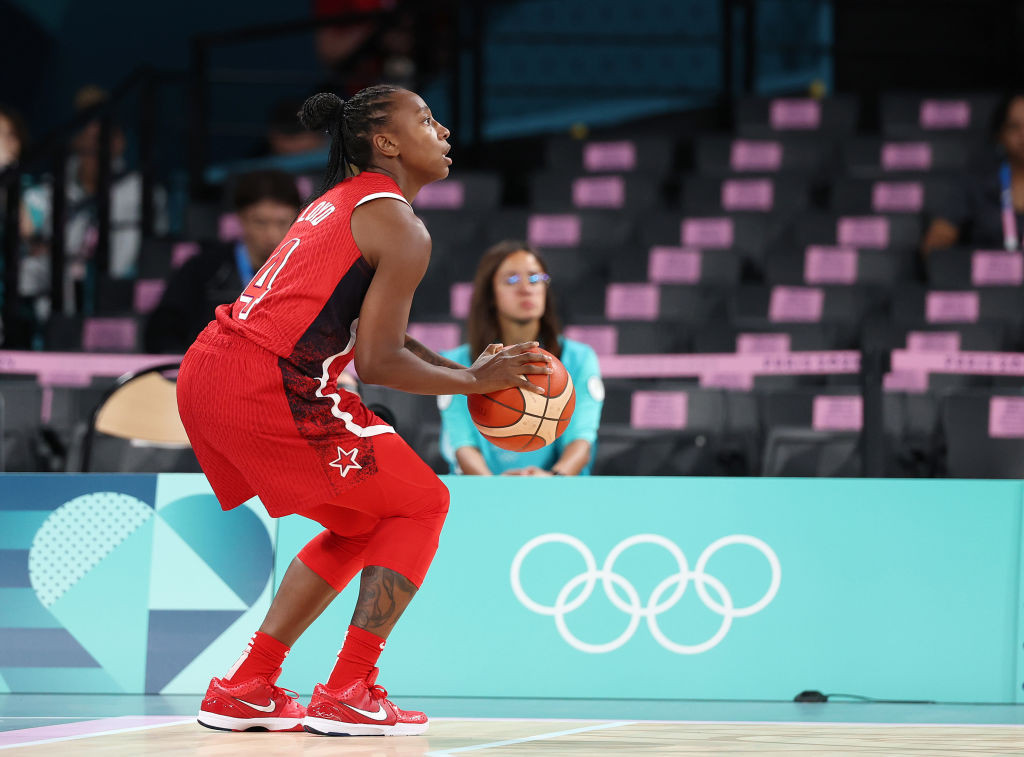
[(598, 587), (126, 583), (704, 588)]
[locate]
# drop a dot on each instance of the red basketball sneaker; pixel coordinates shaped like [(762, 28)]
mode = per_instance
[(361, 709), (256, 703)]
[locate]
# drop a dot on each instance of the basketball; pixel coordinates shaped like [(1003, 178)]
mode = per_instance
[(522, 421)]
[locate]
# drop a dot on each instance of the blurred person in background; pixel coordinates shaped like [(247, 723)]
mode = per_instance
[(13, 136), (266, 203), (83, 173), (986, 208), (13, 142), (361, 53), (285, 133), (512, 303)]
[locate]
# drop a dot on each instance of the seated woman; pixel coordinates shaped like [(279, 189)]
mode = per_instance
[(986, 209), (512, 303)]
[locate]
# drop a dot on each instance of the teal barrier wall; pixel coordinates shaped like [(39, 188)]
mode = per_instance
[(893, 589), (600, 587)]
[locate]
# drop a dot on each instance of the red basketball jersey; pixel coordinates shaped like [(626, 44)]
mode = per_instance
[(303, 304)]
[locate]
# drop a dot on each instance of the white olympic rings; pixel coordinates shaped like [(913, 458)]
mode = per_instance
[(657, 603)]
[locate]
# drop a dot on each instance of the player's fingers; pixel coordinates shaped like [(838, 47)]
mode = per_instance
[(533, 368), (529, 386), (494, 349), (518, 349), (532, 357)]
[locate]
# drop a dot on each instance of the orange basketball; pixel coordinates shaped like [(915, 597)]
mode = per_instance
[(522, 421)]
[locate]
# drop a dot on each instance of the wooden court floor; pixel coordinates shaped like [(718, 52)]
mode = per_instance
[(178, 735)]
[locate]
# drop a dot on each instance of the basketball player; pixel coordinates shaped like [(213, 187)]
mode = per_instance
[(259, 398)]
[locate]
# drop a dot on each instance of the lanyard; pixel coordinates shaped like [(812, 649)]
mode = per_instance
[(1010, 239), (245, 271)]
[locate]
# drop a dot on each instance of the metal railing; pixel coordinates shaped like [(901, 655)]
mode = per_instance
[(50, 158)]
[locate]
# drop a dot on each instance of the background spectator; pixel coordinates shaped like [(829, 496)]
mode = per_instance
[(267, 203), (13, 136), (83, 171), (13, 141), (973, 214), (512, 303), (286, 135)]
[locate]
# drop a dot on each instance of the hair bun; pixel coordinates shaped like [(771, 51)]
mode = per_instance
[(321, 111)]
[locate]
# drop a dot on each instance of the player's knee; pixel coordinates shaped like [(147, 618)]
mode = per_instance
[(433, 507), (442, 499), (330, 556)]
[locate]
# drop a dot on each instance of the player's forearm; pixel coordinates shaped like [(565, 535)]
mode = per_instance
[(404, 371), (574, 458), (425, 353)]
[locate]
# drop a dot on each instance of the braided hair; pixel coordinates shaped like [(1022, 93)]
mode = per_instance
[(350, 124)]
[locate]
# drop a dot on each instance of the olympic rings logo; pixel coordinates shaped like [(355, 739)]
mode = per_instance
[(665, 595)]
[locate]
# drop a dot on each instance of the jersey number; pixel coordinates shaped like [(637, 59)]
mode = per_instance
[(264, 278)]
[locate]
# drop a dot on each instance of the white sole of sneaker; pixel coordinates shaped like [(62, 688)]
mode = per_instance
[(225, 723), (328, 727)]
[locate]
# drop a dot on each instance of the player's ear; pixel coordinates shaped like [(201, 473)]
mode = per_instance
[(385, 145)]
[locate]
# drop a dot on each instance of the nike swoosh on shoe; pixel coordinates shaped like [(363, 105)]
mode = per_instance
[(380, 715), (260, 707)]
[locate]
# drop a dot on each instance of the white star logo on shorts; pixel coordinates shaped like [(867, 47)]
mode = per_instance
[(346, 461)]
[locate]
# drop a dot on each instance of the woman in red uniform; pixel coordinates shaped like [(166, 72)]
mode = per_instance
[(259, 398)]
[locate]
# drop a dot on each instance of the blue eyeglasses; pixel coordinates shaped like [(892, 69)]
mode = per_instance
[(533, 279)]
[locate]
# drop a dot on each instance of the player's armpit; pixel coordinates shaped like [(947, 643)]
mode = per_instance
[(396, 243)]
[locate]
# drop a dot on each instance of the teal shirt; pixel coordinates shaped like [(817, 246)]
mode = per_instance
[(457, 429)]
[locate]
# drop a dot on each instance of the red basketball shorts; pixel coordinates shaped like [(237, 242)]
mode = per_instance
[(372, 492)]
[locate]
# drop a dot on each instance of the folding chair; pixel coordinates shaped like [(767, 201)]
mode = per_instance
[(136, 427)]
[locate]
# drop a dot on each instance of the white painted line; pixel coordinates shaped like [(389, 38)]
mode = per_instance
[(538, 737), (853, 723), (856, 724), (52, 717), (526, 720), (92, 735)]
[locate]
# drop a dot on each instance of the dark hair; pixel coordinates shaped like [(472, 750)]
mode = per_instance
[(1001, 112), (350, 124), (251, 188), (483, 328), (17, 125)]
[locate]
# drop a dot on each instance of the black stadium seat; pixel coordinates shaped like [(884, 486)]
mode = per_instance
[(983, 434), (910, 115), (722, 155), (761, 116)]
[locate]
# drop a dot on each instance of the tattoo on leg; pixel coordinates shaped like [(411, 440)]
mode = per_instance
[(383, 596)]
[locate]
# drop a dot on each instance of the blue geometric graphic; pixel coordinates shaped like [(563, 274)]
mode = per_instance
[(107, 610), (21, 608), (86, 562), (14, 567), (42, 647), (176, 637), (234, 543), (31, 491)]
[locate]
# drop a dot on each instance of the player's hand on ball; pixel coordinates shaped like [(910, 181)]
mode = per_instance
[(501, 367)]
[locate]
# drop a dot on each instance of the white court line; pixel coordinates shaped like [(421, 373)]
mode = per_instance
[(538, 737), (526, 720), (53, 717), (91, 735), (857, 723)]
